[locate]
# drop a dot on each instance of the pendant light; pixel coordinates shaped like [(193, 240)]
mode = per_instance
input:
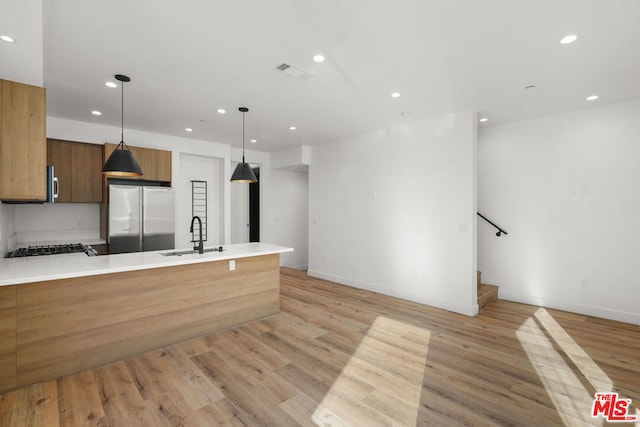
[(121, 162), (243, 172)]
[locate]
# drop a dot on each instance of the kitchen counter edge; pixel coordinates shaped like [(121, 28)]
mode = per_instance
[(17, 271)]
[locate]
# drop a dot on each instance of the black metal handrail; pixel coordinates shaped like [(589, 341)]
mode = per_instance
[(500, 230)]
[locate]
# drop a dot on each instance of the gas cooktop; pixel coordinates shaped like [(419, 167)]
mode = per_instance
[(68, 248)]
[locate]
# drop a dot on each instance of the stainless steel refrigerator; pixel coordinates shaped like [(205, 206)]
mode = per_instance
[(141, 218)]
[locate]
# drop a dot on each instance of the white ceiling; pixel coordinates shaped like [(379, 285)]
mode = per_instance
[(189, 58)]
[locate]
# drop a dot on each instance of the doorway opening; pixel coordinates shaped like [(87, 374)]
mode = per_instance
[(245, 210), (254, 208)]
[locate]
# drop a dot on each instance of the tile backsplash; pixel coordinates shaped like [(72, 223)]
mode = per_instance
[(60, 221), (7, 233)]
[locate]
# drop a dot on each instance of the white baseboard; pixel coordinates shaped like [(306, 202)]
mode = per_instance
[(433, 302), (604, 313), (299, 267)]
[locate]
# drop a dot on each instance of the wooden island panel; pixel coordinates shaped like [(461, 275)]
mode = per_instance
[(7, 337), (67, 326)]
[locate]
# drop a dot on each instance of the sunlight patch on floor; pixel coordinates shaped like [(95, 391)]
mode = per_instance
[(382, 382), (596, 376), (556, 357)]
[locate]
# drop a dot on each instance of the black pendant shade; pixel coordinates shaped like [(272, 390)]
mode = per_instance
[(121, 162), (243, 172)]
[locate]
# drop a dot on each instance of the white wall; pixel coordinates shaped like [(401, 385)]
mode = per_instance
[(211, 170), (567, 188), (293, 159), (394, 211), (290, 224), (277, 205)]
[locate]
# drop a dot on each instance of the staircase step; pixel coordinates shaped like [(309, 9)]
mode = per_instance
[(487, 294), (479, 278)]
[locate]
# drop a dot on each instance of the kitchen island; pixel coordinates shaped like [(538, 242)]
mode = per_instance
[(63, 314)]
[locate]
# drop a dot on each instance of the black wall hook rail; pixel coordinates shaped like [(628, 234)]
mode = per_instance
[(500, 230)]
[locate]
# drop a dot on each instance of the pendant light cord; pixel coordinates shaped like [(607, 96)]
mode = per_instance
[(122, 113), (243, 137)]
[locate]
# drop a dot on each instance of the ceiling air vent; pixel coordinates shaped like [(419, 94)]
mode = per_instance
[(295, 71)]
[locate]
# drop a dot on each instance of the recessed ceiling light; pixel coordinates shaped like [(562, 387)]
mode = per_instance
[(292, 128), (188, 129), (222, 110), (569, 39), (7, 38), (253, 141), (96, 113), (111, 84), (592, 97), (483, 119), (318, 58), (395, 95)]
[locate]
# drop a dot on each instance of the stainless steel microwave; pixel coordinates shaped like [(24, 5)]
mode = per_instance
[(53, 186)]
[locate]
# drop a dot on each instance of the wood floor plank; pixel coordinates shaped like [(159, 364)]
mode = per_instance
[(191, 383), (226, 412), (151, 374), (87, 411), (35, 405), (254, 371), (338, 355), (302, 380), (123, 405), (235, 386), (300, 407)]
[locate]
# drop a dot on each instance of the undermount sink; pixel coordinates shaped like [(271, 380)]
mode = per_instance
[(188, 252)]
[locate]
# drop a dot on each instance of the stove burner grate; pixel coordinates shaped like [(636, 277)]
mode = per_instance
[(68, 248)]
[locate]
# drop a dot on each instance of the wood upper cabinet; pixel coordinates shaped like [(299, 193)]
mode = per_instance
[(155, 164), (86, 173), (78, 167), (23, 147), (59, 156)]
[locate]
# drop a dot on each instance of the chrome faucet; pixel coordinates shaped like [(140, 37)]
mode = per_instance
[(200, 246)]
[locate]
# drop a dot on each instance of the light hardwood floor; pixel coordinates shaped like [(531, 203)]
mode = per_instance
[(337, 355)]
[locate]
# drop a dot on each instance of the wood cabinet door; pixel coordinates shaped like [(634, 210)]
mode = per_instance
[(23, 146), (59, 156), (78, 167), (86, 172), (158, 164)]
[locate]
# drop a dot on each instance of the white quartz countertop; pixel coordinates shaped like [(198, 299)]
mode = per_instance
[(14, 271)]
